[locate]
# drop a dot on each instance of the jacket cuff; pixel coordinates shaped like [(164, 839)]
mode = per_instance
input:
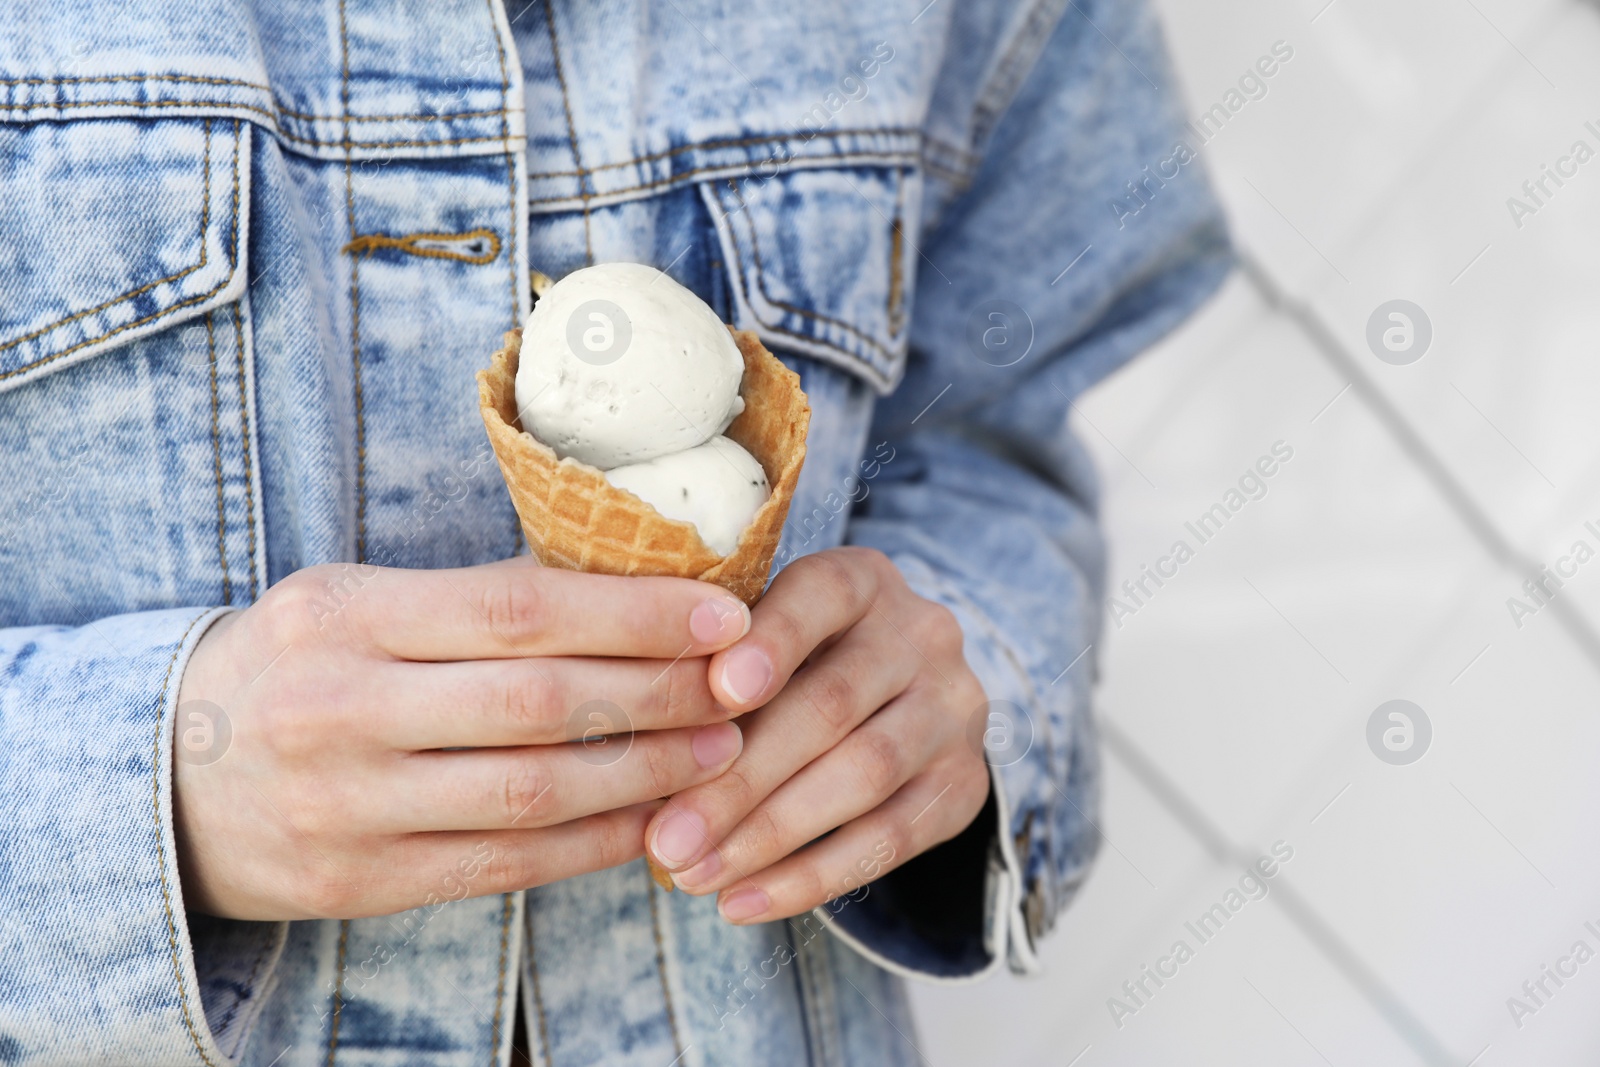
[(960, 910), (98, 953)]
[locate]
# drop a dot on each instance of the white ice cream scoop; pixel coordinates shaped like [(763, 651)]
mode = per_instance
[(718, 487), (621, 364)]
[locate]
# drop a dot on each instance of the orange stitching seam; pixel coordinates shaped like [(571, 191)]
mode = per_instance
[(897, 241), (430, 116), (572, 130), (661, 963), (228, 104), (100, 79), (761, 283), (276, 103), (202, 297), (370, 242), (734, 142), (738, 263), (421, 116), (538, 996), (205, 210), (500, 987), (244, 422), (511, 163), (161, 856), (216, 450), (851, 157), (135, 103), (338, 992), (355, 316)]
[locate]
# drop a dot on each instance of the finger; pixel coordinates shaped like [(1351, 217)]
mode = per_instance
[(817, 709), (931, 809), (543, 785), (852, 778), (518, 608), (812, 599), (537, 701), (429, 870)]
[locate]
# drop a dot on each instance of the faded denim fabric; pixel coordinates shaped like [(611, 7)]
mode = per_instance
[(251, 255)]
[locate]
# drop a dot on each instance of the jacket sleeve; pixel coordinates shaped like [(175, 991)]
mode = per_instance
[(1046, 274), (100, 963)]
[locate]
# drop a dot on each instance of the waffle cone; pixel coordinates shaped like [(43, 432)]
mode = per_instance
[(575, 519)]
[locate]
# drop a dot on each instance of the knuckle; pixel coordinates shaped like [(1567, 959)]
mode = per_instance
[(523, 785), (613, 846), (832, 697), (735, 790), (516, 609), (948, 628), (660, 768), (685, 694), (936, 626), (878, 763), (809, 887), (520, 867), (869, 559), (296, 608), (831, 572), (896, 845), (785, 632), (315, 812), (325, 893), (973, 796), (764, 835), (282, 725), (525, 699)]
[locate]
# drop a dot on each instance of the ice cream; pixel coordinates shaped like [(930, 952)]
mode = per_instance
[(621, 365), (625, 370), (717, 486)]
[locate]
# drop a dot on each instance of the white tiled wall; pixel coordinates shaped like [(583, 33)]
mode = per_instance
[(1419, 897)]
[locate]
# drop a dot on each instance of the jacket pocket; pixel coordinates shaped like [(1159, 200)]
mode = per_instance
[(129, 463), (115, 229), (822, 261)]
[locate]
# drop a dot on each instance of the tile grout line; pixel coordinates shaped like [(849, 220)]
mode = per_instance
[(1427, 460), (1327, 941)]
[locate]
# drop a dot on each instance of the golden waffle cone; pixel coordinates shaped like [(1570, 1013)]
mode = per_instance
[(575, 519)]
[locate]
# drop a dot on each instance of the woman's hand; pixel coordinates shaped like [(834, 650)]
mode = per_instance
[(863, 730), (400, 736)]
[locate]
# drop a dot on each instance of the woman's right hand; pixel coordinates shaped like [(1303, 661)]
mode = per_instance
[(388, 731)]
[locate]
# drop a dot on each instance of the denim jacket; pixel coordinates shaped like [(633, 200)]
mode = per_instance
[(251, 255)]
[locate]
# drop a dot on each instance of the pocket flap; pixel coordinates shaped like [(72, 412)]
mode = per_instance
[(114, 229), (820, 262)]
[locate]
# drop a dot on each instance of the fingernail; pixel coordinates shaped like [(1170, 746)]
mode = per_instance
[(717, 620), (746, 671), (678, 838), (701, 873), (716, 744), (743, 904)]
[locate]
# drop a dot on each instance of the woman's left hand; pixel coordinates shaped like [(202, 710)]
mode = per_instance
[(865, 703)]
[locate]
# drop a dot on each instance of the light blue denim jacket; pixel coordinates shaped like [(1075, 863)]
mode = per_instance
[(251, 255)]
